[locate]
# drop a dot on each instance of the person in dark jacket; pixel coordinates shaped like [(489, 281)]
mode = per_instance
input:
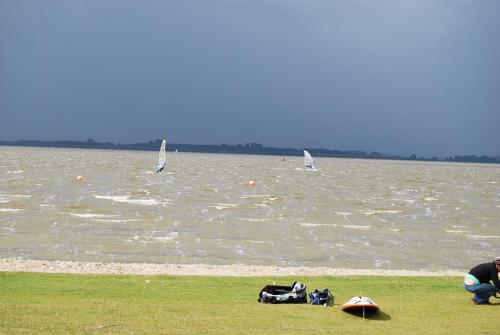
[(478, 280)]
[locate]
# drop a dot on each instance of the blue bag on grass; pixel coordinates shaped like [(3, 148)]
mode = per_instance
[(323, 297)]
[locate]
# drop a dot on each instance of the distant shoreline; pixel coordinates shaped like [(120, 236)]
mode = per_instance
[(247, 148), (18, 265)]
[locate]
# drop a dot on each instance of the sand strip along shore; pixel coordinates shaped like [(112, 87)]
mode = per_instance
[(19, 265)]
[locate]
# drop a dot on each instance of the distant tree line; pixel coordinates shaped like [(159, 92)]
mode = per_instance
[(247, 148)]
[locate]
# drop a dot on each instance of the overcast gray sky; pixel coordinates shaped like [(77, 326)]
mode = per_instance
[(399, 76)]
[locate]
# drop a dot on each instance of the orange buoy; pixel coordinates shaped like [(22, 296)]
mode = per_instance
[(80, 178), (252, 183)]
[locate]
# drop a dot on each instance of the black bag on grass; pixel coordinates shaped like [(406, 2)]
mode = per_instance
[(323, 297), (274, 294)]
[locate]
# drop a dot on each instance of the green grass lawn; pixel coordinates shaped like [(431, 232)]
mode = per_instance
[(108, 304)]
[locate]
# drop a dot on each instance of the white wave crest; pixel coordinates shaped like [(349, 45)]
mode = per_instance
[(482, 237), (119, 220), (253, 220), (127, 199), (225, 206), (304, 224), (354, 227), (91, 215), (13, 196), (373, 212), (457, 231)]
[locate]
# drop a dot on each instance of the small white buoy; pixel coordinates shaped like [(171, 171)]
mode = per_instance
[(252, 183), (80, 178)]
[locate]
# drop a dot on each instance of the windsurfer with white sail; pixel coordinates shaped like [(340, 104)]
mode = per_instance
[(309, 161), (162, 159)]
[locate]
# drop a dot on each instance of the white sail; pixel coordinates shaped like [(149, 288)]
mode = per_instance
[(308, 161), (162, 158)]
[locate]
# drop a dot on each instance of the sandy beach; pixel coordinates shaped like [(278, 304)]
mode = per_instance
[(20, 265)]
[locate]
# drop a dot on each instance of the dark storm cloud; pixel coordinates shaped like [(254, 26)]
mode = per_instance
[(389, 76)]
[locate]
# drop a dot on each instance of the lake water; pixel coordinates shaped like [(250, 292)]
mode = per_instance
[(351, 213)]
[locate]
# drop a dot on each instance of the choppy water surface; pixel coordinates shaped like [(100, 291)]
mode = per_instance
[(351, 213)]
